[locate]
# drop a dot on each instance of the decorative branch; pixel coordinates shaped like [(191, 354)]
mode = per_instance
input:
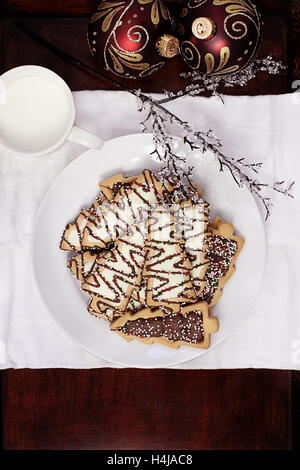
[(175, 168), (199, 83)]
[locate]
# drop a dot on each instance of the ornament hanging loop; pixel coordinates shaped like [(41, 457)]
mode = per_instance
[(204, 28), (167, 46)]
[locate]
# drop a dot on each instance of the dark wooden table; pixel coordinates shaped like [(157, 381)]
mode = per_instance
[(141, 409)]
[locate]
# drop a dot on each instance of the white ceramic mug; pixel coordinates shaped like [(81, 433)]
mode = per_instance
[(37, 112)]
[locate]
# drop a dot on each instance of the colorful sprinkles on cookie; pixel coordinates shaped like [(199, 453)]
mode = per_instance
[(220, 253), (174, 327), (191, 326), (152, 270)]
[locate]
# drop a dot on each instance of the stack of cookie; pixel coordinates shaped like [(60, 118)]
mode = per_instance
[(152, 268)]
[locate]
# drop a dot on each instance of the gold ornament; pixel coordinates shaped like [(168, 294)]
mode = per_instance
[(168, 46), (203, 28)]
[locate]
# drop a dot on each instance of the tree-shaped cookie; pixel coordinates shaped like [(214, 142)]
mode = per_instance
[(111, 186), (82, 264), (72, 236), (119, 271), (192, 220), (72, 239), (167, 267), (138, 297), (222, 251), (190, 327), (100, 310), (129, 207)]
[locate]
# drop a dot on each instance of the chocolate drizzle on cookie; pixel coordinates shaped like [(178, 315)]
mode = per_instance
[(130, 206), (152, 268)]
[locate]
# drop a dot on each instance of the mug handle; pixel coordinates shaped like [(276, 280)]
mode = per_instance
[(85, 138)]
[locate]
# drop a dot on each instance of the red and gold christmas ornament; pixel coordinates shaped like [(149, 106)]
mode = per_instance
[(219, 37), (132, 38)]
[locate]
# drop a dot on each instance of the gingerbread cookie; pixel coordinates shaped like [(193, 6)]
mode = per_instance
[(195, 189), (190, 327), (100, 310), (138, 298), (193, 220), (161, 266), (72, 239), (106, 227), (119, 271), (111, 186), (194, 193), (82, 264), (129, 207), (139, 295), (167, 267), (222, 252), (72, 236)]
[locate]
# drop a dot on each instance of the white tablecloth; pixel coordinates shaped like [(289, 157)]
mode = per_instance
[(262, 128)]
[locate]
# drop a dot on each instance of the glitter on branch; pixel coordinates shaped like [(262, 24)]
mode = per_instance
[(199, 83), (174, 167)]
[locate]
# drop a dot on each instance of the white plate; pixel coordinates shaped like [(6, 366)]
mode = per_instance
[(77, 187)]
